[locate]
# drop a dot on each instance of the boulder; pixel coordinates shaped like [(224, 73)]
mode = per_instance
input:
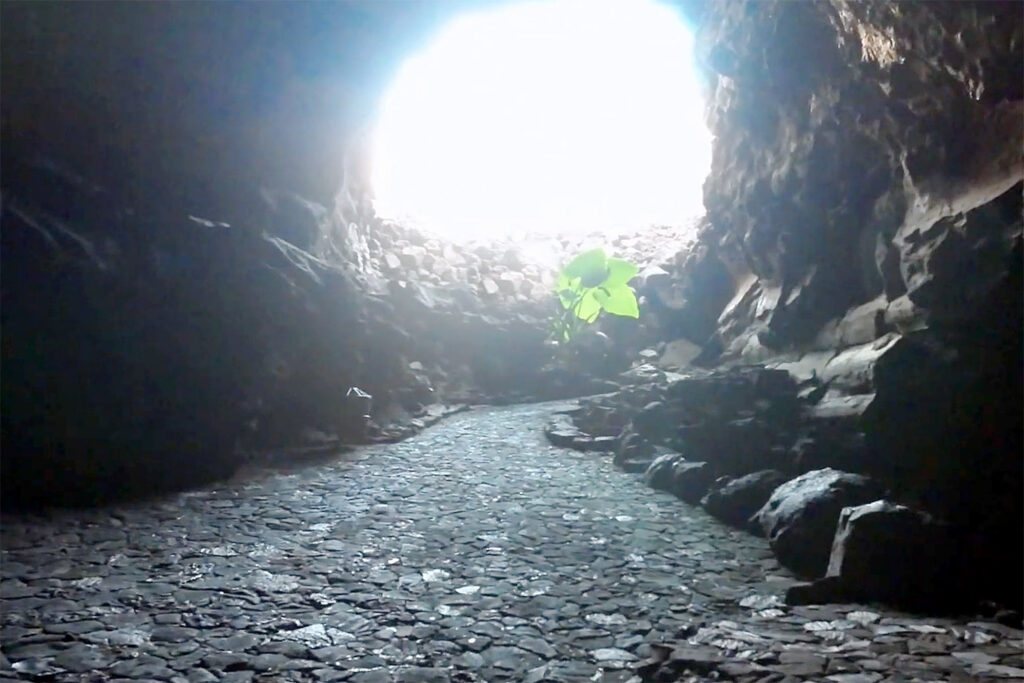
[(819, 592), (634, 453), (652, 276), (893, 554), (662, 293), (832, 434), (862, 324), (679, 353), (453, 256), (656, 421), (905, 316), (854, 369), (951, 263), (736, 447), (412, 257), (661, 472), (734, 501), (391, 261), (800, 517), (646, 373), (600, 418), (561, 432), (601, 444), (690, 480), (731, 390), (510, 282)]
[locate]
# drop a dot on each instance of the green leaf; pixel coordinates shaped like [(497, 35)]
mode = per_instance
[(589, 307), (589, 284), (590, 267), (621, 301), (568, 297), (620, 272), (566, 282)]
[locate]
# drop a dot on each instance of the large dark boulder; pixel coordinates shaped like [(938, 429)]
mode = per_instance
[(800, 517), (688, 305), (657, 421), (736, 447), (685, 479), (890, 553), (738, 420), (661, 471), (734, 501), (691, 479), (633, 452)]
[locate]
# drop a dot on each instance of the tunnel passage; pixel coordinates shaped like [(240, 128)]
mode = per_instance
[(196, 281)]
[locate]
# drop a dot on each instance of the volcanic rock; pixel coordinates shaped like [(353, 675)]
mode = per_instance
[(735, 500), (890, 553), (800, 517)]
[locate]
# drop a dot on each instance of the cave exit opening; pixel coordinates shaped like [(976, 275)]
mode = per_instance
[(555, 117)]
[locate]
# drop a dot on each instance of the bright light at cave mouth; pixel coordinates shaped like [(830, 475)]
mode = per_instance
[(556, 117)]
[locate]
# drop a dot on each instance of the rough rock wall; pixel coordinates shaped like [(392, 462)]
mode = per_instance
[(866, 199), (171, 299), (835, 125), (146, 347)]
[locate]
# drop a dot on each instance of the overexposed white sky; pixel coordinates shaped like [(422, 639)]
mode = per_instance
[(560, 115)]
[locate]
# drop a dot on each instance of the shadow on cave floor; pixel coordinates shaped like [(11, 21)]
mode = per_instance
[(473, 551), (140, 481)]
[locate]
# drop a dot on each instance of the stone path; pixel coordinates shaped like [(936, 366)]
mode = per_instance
[(472, 552)]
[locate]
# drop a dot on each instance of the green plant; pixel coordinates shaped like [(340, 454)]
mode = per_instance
[(592, 283)]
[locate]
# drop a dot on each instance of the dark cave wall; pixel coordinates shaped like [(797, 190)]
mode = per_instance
[(835, 125), (145, 349), (172, 300), (866, 198)]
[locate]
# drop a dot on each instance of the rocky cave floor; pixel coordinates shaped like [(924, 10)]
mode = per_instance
[(474, 551)]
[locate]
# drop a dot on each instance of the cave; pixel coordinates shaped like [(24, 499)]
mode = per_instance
[(260, 425)]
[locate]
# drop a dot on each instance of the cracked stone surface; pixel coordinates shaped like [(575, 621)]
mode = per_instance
[(474, 551)]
